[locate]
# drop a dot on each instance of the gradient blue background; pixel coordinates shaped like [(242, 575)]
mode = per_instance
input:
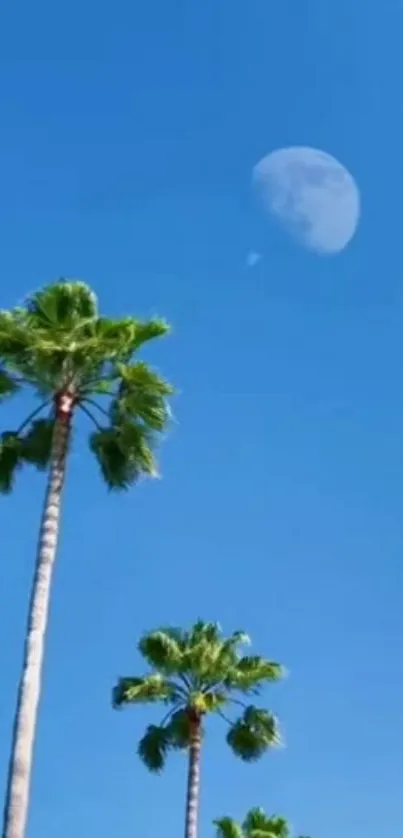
[(128, 135)]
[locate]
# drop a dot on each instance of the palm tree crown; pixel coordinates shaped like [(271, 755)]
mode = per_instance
[(256, 825), (194, 673), (59, 345)]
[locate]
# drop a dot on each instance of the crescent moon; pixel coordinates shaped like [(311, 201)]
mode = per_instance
[(312, 195)]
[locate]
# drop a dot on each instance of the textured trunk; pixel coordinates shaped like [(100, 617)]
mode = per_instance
[(20, 765), (193, 789)]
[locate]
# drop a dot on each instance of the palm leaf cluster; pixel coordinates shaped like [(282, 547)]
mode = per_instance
[(256, 825), (195, 673), (58, 342)]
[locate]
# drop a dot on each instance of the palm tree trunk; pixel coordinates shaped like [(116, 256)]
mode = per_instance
[(20, 764), (193, 787)]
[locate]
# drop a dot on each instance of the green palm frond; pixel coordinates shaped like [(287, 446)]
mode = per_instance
[(15, 338), (8, 385), (252, 672), (236, 640), (63, 305), (227, 828), (259, 825), (142, 395), (37, 443), (253, 734), (203, 648), (224, 657), (11, 458), (211, 702), (153, 748), (162, 650), (124, 454), (204, 632), (178, 730), (256, 825), (151, 688), (148, 330)]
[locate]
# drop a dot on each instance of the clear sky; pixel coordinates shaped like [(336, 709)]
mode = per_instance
[(128, 136)]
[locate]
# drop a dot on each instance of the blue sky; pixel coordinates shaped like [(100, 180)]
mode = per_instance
[(128, 137)]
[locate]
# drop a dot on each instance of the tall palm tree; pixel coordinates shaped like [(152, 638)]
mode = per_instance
[(256, 825), (59, 346), (194, 673)]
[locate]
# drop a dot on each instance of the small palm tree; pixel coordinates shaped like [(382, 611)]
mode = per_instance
[(256, 825), (198, 672), (59, 346)]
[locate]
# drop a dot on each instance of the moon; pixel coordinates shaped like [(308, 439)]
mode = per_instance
[(312, 195)]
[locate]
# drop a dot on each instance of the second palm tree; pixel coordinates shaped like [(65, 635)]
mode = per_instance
[(256, 825), (195, 673)]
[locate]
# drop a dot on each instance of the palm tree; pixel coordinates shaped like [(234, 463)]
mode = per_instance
[(194, 673), (59, 346), (256, 825)]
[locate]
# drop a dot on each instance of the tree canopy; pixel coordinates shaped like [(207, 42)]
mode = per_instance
[(195, 673), (256, 825), (58, 342)]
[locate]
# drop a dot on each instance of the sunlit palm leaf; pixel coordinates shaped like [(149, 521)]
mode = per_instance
[(252, 672), (259, 825), (149, 330), (15, 338), (212, 701), (205, 632), (227, 828), (162, 651), (151, 688), (142, 395), (62, 306)]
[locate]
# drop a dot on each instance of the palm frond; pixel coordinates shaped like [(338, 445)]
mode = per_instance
[(236, 639), (224, 657), (147, 330), (142, 394), (252, 672), (8, 384), (37, 443), (148, 689), (211, 702), (124, 454), (15, 337), (227, 828), (153, 748), (63, 305), (10, 459), (121, 338), (162, 650), (253, 734), (204, 632), (259, 825), (178, 730)]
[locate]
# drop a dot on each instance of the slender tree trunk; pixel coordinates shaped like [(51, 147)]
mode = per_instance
[(20, 764), (193, 787)]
